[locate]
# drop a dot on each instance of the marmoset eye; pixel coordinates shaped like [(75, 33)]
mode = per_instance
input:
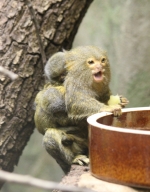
[(103, 60), (90, 62)]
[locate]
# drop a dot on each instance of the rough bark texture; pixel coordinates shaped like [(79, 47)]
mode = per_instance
[(80, 176), (19, 52)]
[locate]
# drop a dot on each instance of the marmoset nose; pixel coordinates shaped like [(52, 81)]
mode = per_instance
[(98, 66)]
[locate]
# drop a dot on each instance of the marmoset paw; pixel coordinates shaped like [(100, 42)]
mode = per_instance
[(81, 160), (123, 101), (117, 111)]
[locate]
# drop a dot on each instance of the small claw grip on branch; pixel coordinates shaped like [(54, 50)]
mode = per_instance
[(81, 160)]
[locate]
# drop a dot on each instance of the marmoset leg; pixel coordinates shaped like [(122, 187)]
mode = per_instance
[(66, 148)]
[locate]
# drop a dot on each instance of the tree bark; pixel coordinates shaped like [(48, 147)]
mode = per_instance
[(80, 176), (19, 52)]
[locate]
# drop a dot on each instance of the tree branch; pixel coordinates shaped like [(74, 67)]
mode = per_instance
[(31, 181), (8, 73)]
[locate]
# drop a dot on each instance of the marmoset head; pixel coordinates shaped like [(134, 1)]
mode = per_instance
[(89, 63)]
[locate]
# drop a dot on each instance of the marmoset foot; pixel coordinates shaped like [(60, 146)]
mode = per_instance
[(81, 160)]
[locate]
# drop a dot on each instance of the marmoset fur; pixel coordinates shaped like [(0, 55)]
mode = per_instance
[(87, 83), (79, 87), (55, 69), (62, 138)]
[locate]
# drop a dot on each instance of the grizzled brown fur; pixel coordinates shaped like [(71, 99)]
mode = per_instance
[(79, 87), (62, 139)]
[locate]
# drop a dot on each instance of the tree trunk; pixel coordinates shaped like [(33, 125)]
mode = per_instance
[(20, 53)]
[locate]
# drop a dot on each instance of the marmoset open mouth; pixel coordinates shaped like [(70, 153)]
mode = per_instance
[(98, 76)]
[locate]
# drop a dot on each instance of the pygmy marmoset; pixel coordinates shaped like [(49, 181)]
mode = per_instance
[(78, 87)]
